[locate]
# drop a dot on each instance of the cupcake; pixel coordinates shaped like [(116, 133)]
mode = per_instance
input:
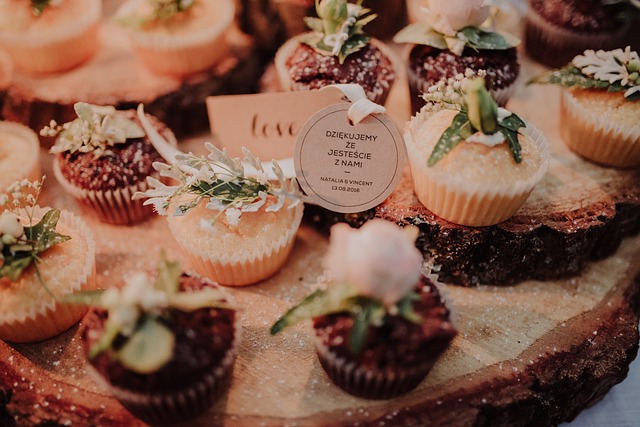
[(235, 229), (164, 346), (600, 106), (450, 39), (19, 155), (558, 30), (102, 158), (472, 163), (49, 36), (380, 325), (45, 254), (336, 52), (178, 37)]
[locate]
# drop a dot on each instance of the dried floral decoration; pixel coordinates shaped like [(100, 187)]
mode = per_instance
[(454, 25), (479, 118), (368, 280), (221, 182), (135, 332), (616, 71), (339, 29), (96, 129), (20, 245), (38, 6), (161, 12)]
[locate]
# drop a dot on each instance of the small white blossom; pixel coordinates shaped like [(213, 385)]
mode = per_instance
[(612, 66), (233, 216)]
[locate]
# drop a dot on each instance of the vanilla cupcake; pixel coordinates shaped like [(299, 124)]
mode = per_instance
[(19, 154), (49, 36), (337, 52), (178, 37), (164, 345), (600, 106), (46, 254), (236, 229), (103, 158), (474, 166), (380, 325), (451, 37)]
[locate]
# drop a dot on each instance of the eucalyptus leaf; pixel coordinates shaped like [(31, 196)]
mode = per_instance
[(420, 34), (459, 130), (149, 348), (192, 301), (487, 40), (110, 333), (571, 76), (321, 302)]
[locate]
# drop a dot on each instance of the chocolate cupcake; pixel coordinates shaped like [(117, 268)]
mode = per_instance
[(558, 30), (102, 158), (164, 348), (450, 41), (337, 52), (380, 325)]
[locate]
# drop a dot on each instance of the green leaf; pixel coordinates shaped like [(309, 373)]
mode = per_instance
[(459, 130), (84, 298), (169, 273), (353, 45), (321, 302), (514, 144), (405, 308), (110, 333), (488, 40), (14, 265), (369, 312), (482, 109), (192, 301), (149, 348), (420, 34), (570, 76)]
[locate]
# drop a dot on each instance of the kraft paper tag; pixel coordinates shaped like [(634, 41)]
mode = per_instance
[(268, 123), (347, 168)]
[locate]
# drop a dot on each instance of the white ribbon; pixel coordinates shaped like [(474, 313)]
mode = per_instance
[(361, 106)]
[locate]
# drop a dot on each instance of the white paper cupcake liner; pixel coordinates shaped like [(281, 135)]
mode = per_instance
[(183, 404), (113, 206), (555, 46), (470, 203), (246, 267), (287, 84), (598, 137), (46, 317), (185, 52)]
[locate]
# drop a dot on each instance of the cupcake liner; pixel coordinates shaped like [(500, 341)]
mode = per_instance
[(112, 206), (597, 137), (179, 405), (556, 46), (286, 50), (470, 203), (246, 267), (47, 317), (58, 48), (29, 170), (185, 53), (419, 86), (370, 384)]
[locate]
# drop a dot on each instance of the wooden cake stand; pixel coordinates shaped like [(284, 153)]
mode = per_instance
[(535, 353)]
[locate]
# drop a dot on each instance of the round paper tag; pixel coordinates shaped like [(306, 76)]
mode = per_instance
[(347, 168)]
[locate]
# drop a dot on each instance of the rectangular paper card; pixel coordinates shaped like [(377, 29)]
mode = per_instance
[(267, 123)]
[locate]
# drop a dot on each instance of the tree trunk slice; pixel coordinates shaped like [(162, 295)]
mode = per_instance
[(116, 77), (532, 354), (580, 211)]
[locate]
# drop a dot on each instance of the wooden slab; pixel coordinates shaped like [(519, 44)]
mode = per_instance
[(537, 353), (579, 211), (116, 77)]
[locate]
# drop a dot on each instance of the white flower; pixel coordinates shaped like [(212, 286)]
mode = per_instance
[(610, 66), (450, 16), (10, 224), (380, 259), (233, 216)]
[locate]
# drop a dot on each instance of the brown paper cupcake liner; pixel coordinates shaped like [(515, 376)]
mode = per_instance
[(370, 384), (179, 405), (470, 203), (247, 267), (287, 84), (113, 206), (556, 46), (186, 53), (47, 317), (597, 137)]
